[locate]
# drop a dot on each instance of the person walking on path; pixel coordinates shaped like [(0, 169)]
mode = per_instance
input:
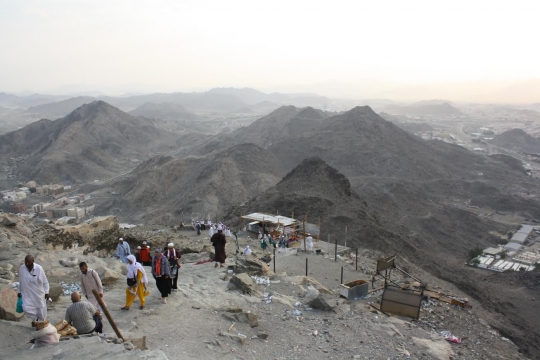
[(162, 273), (144, 254), (122, 250), (198, 228), (309, 243), (173, 255), (137, 283), (90, 280), (83, 316), (34, 289), (218, 242)]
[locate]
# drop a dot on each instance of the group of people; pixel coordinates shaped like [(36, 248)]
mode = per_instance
[(85, 316), (280, 242), (199, 226), (165, 268)]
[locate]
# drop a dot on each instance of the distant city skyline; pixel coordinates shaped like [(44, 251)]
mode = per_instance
[(460, 50)]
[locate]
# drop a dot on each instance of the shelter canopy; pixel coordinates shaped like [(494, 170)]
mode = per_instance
[(273, 219)]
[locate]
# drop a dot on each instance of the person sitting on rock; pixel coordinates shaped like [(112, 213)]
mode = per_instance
[(83, 316)]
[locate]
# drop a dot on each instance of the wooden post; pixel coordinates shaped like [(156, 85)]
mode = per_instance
[(335, 255), (328, 244), (341, 275), (107, 314), (304, 222), (306, 266), (356, 259), (274, 261), (345, 236), (319, 237)]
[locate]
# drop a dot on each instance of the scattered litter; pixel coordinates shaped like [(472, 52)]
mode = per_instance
[(267, 298), (14, 285), (240, 335), (261, 280), (297, 312), (315, 333), (297, 304), (275, 281), (447, 335), (69, 288)]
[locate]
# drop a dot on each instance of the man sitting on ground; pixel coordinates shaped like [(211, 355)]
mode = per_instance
[(83, 316)]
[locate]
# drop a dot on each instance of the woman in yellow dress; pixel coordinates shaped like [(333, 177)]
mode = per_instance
[(136, 271)]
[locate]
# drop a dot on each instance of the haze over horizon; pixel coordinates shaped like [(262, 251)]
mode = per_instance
[(456, 50)]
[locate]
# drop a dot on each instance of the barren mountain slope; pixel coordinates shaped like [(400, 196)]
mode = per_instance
[(162, 189), (400, 218), (517, 139), (282, 124), (94, 141)]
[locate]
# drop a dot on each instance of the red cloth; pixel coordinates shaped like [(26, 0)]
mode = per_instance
[(144, 254)]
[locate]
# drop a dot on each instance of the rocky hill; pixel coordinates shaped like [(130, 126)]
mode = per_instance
[(162, 189), (517, 139), (405, 218), (94, 141), (282, 124)]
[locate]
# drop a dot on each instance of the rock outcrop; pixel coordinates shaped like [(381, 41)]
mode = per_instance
[(8, 304), (251, 266)]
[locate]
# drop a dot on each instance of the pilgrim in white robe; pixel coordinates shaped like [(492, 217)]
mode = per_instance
[(33, 285)]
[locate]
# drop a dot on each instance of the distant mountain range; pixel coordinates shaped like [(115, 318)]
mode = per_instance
[(425, 108), (214, 100), (94, 141)]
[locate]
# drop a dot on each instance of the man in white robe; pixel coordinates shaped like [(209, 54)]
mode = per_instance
[(309, 243), (34, 289), (122, 250)]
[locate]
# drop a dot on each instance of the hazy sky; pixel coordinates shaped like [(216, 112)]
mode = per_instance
[(355, 48)]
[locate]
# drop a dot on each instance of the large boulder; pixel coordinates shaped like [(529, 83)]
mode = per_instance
[(70, 262), (108, 276), (8, 304), (244, 283), (317, 285), (6, 274), (55, 291), (323, 302), (251, 266)]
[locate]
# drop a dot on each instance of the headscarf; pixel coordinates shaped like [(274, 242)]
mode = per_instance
[(134, 267)]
